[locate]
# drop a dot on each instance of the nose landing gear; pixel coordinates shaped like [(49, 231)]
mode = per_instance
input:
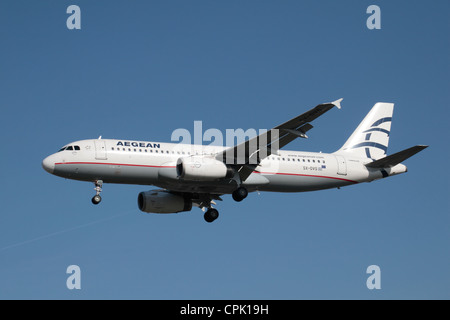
[(98, 188)]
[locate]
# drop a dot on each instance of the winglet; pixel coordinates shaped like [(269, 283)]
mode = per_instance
[(337, 103)]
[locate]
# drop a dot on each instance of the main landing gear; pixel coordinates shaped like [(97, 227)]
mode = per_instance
[(211, 214), (240, 194), (98, 188)]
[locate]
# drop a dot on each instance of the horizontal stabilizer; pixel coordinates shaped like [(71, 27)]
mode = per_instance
[(396, 158)]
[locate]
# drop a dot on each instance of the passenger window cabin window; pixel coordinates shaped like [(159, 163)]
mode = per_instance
[(112, 148)]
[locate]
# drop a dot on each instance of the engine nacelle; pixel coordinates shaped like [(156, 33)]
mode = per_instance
[(158, 201), (198, 168)]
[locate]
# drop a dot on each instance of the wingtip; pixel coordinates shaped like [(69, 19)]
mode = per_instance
[(337, 103)]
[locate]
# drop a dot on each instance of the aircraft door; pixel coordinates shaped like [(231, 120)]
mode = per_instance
[(100, 149), (342, 165)]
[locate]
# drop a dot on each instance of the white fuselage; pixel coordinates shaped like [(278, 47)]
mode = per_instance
[(150, 163)]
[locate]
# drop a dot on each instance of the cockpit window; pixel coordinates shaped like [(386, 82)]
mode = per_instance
[(69, 148), (62, 149), (77, 147)]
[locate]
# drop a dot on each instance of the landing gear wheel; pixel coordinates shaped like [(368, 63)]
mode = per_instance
[(240, 194), (211, 215), (98, 188), (96, 199)]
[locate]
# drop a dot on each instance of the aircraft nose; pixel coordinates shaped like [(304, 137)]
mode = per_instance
[(48, 164)]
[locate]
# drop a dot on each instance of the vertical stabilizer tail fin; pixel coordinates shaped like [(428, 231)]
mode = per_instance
[(371, 137)]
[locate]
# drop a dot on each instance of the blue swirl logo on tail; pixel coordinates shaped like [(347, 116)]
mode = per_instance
[(367, 143)]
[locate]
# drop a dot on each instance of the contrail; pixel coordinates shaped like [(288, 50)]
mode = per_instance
[(60, 232)]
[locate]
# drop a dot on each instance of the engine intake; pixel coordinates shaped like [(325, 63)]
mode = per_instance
[(157, 201), (202, 169)]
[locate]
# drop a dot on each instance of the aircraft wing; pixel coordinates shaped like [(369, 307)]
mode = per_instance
[(247, 155)]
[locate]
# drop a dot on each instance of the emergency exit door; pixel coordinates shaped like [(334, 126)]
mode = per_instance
[(100, 149)]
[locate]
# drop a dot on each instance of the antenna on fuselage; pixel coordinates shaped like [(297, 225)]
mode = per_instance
[(100, 138)]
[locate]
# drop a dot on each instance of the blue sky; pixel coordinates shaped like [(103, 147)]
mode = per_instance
[(140, 71)]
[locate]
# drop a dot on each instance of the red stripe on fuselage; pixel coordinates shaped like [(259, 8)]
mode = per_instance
[(306, 175), (116, 164), (149, 166)]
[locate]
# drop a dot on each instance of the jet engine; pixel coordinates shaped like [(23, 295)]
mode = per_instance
[(202, 169), (159, 201)]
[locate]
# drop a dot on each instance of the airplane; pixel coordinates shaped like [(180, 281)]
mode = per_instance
[(190, 175)]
